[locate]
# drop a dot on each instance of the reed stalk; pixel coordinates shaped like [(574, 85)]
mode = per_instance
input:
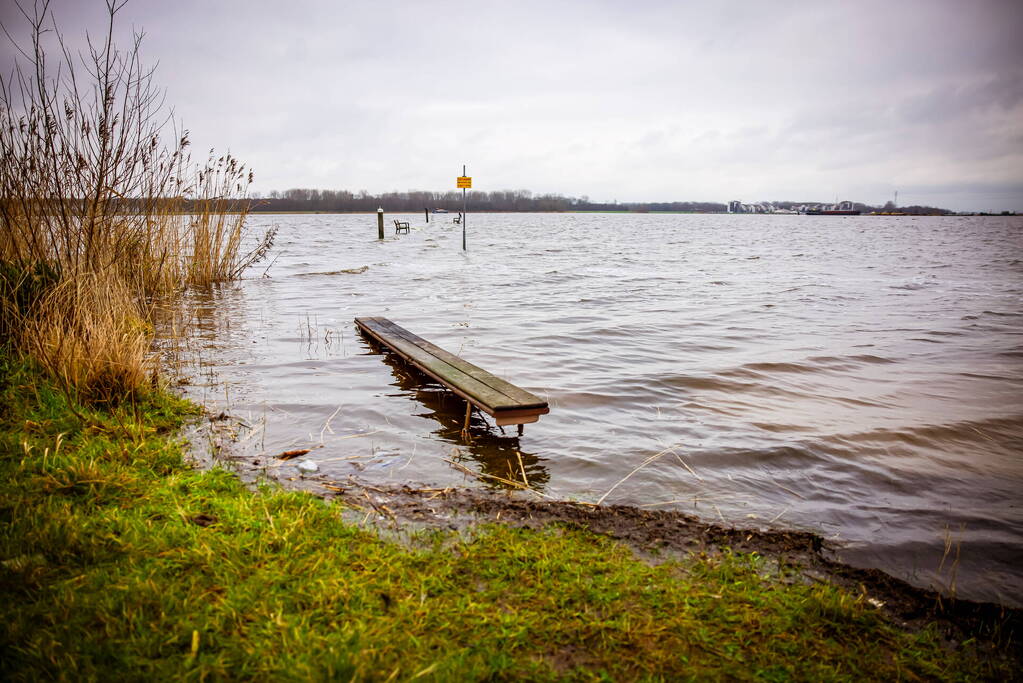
[(104, 216)]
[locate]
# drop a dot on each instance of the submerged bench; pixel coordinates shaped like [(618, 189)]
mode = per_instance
[(505, 402), (400, 225)]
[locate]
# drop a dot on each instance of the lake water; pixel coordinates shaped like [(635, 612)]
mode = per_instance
[(860, 377)]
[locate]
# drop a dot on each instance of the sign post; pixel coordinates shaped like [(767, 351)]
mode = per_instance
[(465, 182)]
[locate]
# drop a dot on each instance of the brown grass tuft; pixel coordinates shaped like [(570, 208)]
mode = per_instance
[(91, 334)]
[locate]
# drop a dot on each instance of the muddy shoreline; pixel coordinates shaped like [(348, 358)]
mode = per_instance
[(659, 535), (400, 510)]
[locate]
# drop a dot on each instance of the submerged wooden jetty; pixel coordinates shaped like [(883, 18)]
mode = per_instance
[(505, 402)]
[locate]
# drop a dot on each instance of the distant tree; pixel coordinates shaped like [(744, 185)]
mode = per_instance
[(297, 199)]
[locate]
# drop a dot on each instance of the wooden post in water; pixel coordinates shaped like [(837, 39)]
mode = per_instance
[(380, 223), (427, 212)]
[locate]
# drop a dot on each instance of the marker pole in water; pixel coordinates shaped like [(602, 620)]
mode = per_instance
[(464, 214), (380, 223)]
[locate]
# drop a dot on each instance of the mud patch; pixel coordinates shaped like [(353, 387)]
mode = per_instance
[(660, 535)]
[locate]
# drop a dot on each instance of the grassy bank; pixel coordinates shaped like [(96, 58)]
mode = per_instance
[(119, 561)]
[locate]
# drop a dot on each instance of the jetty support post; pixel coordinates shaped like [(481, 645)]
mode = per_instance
[(465, 427), (380, 223), (427, 212)]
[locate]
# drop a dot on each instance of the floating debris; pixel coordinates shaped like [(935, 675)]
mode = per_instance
[(288, 455), (308, 467)]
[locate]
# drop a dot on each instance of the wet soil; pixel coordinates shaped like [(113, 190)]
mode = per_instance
[(654, 536), (657, 536)]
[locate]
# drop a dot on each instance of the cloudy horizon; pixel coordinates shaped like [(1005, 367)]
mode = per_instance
[(646, 101)]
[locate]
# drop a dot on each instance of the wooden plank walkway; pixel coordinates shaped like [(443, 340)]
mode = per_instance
[(505, 402)]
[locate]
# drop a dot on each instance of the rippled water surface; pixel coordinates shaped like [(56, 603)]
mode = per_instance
[(861, 377)]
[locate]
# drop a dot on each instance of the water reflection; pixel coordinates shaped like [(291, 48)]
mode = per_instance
[(201, 322), (498, 453)]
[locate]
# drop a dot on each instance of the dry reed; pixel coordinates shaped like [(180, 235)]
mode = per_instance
[(99, 195), (92, 335)]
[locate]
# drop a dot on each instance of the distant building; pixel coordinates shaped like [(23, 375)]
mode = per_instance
[(735, 206)]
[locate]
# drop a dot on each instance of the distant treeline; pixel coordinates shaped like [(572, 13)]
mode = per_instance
[(304, 199), (504, 201), (301, 199)]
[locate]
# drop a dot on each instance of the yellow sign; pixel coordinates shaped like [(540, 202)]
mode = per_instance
[(464, 181)]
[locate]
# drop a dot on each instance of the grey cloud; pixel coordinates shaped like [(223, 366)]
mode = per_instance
[(641, 100)]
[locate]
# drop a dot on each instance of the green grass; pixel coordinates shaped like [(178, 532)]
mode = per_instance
[(119, 561)]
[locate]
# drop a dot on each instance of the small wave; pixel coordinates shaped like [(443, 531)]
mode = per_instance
[(758, 370), (868, 358), (708, 383), (1005, 430), (977, 375), (812, 365), (582, 399), (691, 347), (778, 458), (599, 300), (577, 320), (781, 428), (800, 368), (343, 271)]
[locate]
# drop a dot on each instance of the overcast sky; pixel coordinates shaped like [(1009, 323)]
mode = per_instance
[(630, 100)]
